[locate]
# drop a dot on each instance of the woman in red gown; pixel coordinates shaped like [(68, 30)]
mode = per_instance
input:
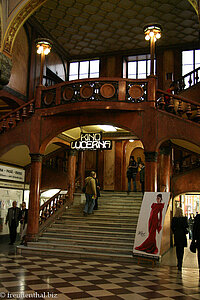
[(155, 221)]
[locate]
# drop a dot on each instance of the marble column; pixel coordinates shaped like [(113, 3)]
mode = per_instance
[(82, 168), (151, 171), (165, 169), (34, 198), (71, 175)]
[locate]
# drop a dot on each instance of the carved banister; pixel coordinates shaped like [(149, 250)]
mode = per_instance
[(17, 109), (184, 108), (53, 205), (177, 97), (12, 118), (191, 78)]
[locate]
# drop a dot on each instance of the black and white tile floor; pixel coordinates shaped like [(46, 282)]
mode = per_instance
[(35, 277)]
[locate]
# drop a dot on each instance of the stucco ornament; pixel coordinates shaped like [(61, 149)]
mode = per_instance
[(5, 69)]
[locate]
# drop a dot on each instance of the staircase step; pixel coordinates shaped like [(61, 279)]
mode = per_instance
[(91, 236), (85, 242), (77, 254), (82, 248), (103, 221), (106, 234), (90, 232), (93, 228)]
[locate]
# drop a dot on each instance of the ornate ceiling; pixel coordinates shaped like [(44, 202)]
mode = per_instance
[(93, 27)]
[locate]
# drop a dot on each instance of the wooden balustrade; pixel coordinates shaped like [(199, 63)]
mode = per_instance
[(18, 115), (51, 206), (174, 104), (187, 80)]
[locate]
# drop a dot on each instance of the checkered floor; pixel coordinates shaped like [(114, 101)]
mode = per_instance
[(34, 277)]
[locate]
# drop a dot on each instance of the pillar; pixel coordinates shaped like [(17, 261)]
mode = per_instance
[(82, 168), (100, 167), (118, 165), (165, 169), (34, 198), (151, 171), (71, 174)]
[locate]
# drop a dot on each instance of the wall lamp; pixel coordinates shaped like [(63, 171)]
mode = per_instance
[(43, 47), (152, 33)]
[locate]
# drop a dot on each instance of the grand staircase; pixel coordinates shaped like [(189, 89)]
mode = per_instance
[(107, 234)]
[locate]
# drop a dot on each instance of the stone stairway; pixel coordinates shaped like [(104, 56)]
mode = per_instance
[(106, 234)]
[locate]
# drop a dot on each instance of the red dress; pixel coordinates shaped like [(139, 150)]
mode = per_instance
[(149, 245)]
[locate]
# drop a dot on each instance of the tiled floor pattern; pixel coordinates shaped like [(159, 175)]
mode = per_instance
[(34, 277)]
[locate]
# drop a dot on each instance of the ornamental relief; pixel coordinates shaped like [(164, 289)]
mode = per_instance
[(18, 21)]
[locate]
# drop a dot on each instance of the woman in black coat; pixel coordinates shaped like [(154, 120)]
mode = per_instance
[(196, 235), (179, 228)]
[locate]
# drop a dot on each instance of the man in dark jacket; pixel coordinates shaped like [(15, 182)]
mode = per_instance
[(131, 173), (13, 217), (90, 193), (23, 221)]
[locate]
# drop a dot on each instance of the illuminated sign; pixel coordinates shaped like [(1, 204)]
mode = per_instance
[(12, 173), (91, 141)]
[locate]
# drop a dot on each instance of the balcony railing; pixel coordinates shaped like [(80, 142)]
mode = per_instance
[(177, 105), (90, 90), (187, 80)]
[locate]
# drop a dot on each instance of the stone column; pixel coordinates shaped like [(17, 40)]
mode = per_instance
[(118, 165), (82, 168), (165, 169), (71, 174), (34, 198), (151, 171)]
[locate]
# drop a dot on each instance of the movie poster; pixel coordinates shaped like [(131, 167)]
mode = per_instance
[(150, 224)]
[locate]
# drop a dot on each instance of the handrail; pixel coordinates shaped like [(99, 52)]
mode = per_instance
[(178, 97), (15, 110), (16, 116), (177, 105), (51, 206), (193, 79)]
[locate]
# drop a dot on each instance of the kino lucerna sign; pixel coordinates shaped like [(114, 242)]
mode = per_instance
[(91, 141)]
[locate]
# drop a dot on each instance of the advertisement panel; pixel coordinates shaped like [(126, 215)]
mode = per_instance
[(150, 224)]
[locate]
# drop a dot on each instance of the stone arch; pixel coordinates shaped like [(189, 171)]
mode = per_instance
[(16, 154), (57, 124), (14, 22)]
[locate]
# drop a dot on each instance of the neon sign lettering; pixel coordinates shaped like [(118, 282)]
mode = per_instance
[(91, 141)]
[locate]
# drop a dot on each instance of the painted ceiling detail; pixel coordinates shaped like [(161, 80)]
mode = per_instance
[(89, 27)]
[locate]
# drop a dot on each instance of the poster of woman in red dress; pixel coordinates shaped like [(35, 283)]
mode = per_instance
[(151, 244)]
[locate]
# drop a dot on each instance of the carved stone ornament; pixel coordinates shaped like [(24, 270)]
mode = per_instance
[(18, 21), (5, 69)]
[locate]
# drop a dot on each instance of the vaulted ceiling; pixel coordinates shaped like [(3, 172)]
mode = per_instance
[(93, 27)]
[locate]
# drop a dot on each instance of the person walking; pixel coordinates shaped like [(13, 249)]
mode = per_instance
[(13, 217), (90, 194), (131, 174), (179, 228), (190, 223), (23, 221), (96, 206), (196, 236)]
